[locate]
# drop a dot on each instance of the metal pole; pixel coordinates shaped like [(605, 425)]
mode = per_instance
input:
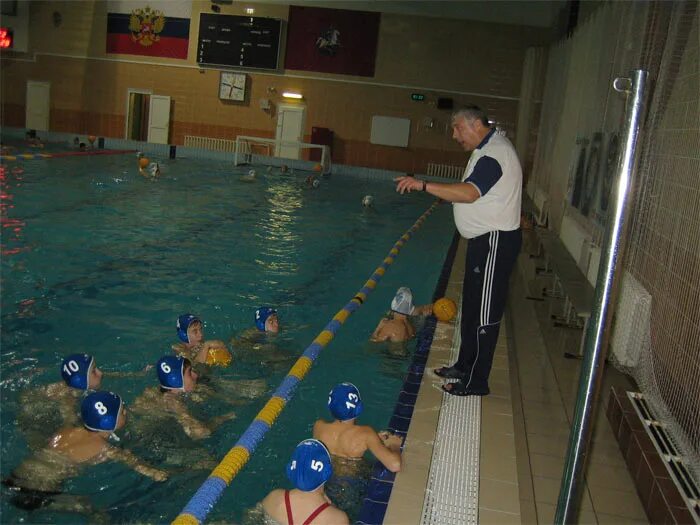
[(597, 333)]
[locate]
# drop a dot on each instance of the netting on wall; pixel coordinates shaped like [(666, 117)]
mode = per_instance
[(664, 243), (576, 156)]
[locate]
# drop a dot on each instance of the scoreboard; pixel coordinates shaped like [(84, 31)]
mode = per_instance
[(239, 41)]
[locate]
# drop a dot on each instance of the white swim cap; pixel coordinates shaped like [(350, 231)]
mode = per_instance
[(402, 303), (316, 183), (367, 201), (252, 173)]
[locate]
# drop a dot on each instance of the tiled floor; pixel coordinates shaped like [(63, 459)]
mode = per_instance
[(545, 387), (524, 424)]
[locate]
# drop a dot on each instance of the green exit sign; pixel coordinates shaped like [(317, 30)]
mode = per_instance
[(417, 96)]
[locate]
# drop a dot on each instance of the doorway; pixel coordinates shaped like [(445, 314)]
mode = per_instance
[(137, 113), (290, 127), (38, 105)]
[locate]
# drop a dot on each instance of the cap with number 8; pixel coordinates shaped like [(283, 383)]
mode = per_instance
[(310, 465), (75, 370), (344, 402), (100, 411), (171, 372)]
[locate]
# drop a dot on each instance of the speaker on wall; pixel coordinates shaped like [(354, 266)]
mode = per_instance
[(444, 103)]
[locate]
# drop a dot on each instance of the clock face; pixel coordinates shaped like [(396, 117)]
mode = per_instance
[(232, 86)]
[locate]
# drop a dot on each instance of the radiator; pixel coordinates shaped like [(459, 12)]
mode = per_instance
[(445, 170), (210, 143), (630, 336), (574, 237)]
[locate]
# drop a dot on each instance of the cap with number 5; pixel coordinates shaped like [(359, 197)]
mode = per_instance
[(171, 372), (75, 370), (310, 466), (100, 411), (344, 401)]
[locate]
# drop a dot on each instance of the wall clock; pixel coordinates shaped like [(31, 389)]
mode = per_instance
[(232, 86)]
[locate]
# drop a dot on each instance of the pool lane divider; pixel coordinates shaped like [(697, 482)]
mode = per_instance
[(203, 501), (60, 154), (381, 482)]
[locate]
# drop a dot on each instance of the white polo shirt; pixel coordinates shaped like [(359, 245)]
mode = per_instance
[(494, 169)]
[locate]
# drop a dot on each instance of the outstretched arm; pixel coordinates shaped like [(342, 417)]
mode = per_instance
[(452, 192), (129, 458)]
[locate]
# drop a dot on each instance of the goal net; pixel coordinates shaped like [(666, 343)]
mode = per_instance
[(273, 152)]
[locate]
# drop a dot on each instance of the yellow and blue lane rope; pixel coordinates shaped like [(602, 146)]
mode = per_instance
[(25, 156), (203, 501)]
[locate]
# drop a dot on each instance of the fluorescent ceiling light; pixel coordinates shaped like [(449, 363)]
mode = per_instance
[(289, 94)]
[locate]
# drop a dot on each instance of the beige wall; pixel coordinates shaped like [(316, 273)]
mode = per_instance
[(468, 61)]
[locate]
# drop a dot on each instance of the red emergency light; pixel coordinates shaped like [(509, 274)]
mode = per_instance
[(6, 39)]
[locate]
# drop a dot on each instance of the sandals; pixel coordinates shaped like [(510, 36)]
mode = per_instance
[(460, 389), (448, 372)]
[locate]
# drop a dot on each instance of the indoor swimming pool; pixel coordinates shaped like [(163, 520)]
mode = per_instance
[(97, 259)]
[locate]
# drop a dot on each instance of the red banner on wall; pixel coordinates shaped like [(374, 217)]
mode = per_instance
[(332, 40)]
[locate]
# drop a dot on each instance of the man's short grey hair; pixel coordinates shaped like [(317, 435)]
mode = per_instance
[(470, 113)]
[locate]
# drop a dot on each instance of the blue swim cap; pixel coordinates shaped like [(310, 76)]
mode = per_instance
[(171, 372), (183, 323), (75, 369), (100, 411), (344, 402), (310, 466), (261, 315)]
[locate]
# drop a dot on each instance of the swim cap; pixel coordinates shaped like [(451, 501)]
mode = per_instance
[(171, 372), (402, 302), (261, 315), (344, 402), (75, 369), (316, 183), (251, 173), (310, 466), (100, 411), (183, 323), (153, 168), (367, 200)]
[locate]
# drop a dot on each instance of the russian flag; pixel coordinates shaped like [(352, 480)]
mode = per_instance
[(158, 28)]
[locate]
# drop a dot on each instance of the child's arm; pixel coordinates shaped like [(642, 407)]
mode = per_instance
[(386, 450), (424, 310), (129, 458), (377, 331)]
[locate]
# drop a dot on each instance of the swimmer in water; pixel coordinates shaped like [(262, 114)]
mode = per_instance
[(396, 326), (47, 408), (33, 140), (284, 168), (345, 439), (257, 343), (38, 481), (308, 470), (176, 378), (154, 169), (367, 201), (193, 346), (249, 177)]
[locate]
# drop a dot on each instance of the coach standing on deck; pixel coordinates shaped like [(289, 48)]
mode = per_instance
[(486, 206)]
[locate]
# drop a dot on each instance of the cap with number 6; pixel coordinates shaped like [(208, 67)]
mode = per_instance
[(100, 411), (171, 372), (344, 401), (310, 466), (75, 370)]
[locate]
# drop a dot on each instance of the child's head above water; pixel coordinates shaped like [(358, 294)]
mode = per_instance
[(344, 402), (189, 329), (266, 319), (175, 373), (103, 412), (310, 465), (80, 371)]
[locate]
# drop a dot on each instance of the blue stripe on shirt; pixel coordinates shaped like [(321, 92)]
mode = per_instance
[(485, 174)]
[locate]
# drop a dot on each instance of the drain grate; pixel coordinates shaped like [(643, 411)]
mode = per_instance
[(452, 493)]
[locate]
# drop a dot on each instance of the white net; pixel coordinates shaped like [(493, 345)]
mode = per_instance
[(658, 316), (272, 152)]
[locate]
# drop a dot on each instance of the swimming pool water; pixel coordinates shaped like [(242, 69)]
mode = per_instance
[(97, 259)]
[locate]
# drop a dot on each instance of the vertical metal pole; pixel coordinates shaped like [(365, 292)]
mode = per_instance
[(597, 333)]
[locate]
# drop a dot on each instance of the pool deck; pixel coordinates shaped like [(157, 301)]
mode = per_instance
[(524, 427)]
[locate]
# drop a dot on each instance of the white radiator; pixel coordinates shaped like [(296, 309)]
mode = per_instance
[(209, 143), (630, 336), (445, 170), (574, 237)]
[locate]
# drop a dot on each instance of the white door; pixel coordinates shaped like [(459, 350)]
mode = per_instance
[(38, 103), (159, 119), (290, 127)]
